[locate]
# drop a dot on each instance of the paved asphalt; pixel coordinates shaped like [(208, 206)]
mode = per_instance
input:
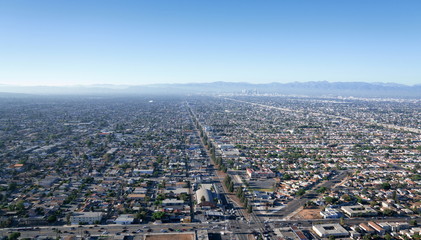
[(240, 228)]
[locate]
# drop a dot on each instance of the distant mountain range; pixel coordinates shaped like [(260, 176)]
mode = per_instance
[(320, 88)]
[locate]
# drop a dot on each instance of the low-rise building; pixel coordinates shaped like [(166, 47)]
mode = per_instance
[(204, 197), (327, 230), (262, 173), (376, 227), (358, 210), (125, 219), (366, 228), (86, 217), (173, 203), (330, 213)]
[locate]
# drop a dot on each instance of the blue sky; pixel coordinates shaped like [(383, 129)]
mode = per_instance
[(175, 41)]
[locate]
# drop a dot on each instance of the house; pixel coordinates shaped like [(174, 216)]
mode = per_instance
[(142, 172), (134, 196)]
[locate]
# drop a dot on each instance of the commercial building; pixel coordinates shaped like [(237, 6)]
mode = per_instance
[(125, 219), (358, 210), (330, 213), (173, 203), (376, 227), (367, 228), (262, 173), (327, 230), (86, 217)]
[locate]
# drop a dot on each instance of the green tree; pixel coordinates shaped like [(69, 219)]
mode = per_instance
[(300, 192), (395, 196), (141, 214), (12, 186), (231, 187), (68, 218), (239, 191), (249, 208), (389, 212), (14, 236), (286, 176), (385, 186), (346, 198), (184, 196), (322, 190), (52, 218), (20, 205), (367, 237), (158, 215), (413, 222), (330, 200)]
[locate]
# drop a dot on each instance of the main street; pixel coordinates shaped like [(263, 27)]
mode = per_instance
[(239, 228), (231, 226), (107, 230)]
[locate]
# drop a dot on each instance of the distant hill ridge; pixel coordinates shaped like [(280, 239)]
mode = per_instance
[(312, 88)]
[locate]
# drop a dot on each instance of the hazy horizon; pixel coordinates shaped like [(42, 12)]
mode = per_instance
[(118, 85)]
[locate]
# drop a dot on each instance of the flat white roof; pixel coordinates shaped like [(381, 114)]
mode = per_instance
[(330, 229)]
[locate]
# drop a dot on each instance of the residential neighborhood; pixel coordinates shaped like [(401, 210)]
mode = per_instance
[(233, 165)]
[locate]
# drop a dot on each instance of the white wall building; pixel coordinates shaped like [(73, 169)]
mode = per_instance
[(327, 230), (86, 217), (358, 210), (125, 219)]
